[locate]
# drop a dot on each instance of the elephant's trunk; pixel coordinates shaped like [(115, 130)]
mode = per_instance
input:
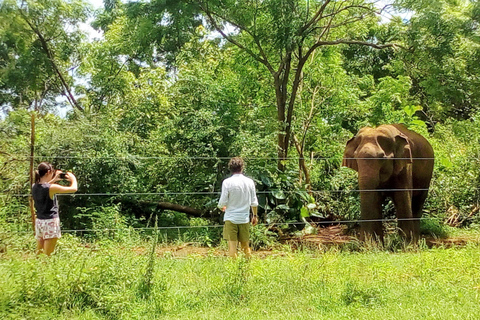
[(371, 203)]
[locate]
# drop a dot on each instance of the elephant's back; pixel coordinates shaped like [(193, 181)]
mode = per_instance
[(423, 157), (419, 145)]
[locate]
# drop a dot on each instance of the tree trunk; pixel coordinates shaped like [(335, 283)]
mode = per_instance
[(179, 208), (281, 99), (301, 162)]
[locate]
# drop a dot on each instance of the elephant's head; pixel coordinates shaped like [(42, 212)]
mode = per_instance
[(377, 154)]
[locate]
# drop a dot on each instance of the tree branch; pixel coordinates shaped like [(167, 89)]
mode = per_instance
[(317, 17), (260, 59), (358, 42), (301, 161), (49, 54), (243, 28)]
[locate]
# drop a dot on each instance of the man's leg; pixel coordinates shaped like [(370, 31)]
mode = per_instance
[(244, 238), (232, 248), (246, 249)]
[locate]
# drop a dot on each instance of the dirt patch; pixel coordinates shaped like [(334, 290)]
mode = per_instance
[(188, 249), (333, 235), (336, 235), (451, 242)]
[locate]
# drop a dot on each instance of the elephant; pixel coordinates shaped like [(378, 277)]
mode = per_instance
[(391, 161)]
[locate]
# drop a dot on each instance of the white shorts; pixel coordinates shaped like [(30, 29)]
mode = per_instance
[(47, 228)]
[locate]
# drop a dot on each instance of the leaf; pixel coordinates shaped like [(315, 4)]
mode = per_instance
[(411, 110), (418, 122), (446, 163), (283, 207), (304, 212), (304, 195), (262, 200), (279, 194), (266, 181)]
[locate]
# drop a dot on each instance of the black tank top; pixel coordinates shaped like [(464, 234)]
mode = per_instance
[(45, 207)]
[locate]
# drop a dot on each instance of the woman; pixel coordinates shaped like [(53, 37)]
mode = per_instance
[(47, 224)]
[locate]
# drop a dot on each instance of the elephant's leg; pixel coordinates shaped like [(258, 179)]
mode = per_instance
[(403, 206), (371, 206), (417, 207)]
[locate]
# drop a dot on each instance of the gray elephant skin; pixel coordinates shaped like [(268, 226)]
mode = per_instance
[(391, 161)]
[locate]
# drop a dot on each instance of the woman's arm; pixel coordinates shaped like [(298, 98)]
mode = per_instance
[(56, 188)]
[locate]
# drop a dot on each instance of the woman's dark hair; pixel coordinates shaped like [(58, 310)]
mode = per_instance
[(42, 170), (235, 165)]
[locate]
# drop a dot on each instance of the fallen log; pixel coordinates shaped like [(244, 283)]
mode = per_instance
[(180, 208), (146, 209)]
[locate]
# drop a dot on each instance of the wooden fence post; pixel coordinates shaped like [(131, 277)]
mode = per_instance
[(32, 175)]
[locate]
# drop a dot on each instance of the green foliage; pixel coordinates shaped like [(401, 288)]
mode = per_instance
[(434, 228), (107, 222), (443, 56), (455, 187), (261, 237), (167, 102), (279, 199), (38, 44), (13, 215), (201, 233)]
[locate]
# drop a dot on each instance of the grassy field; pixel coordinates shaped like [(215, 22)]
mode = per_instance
[(119, 281)]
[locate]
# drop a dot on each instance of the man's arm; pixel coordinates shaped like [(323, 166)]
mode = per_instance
[(255, 217), (222, 203), (254, 203)]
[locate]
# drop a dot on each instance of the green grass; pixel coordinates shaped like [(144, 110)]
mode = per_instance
[(115, 282)]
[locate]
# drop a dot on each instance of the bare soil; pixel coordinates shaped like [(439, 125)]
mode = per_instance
[(325, 237)]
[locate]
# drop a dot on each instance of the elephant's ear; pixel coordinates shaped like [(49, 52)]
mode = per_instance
[(403, 153), (348, 156)]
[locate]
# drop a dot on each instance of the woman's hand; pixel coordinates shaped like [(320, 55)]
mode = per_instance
[(56, 176), (69, 176), (56, 188)]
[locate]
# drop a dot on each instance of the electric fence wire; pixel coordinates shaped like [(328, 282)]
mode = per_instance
[(133, 157), (329, 222), (136, 157), (167, 193)]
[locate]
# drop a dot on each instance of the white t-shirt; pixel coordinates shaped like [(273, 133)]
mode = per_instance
[(238, 195)]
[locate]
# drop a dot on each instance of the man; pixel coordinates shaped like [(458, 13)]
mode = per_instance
[(238, 196)]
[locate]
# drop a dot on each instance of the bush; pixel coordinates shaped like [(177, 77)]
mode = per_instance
[(262, 238), (455, 188), (433, 228), (104, 223)]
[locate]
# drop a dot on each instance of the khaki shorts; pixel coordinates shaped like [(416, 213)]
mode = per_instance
[(236, 232), (47, 228)]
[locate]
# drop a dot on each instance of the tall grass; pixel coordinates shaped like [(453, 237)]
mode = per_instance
[(115, 282)]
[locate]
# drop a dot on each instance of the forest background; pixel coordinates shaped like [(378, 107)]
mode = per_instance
[(172, 89)]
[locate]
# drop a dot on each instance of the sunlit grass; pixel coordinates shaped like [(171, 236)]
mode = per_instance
[(113, 282)]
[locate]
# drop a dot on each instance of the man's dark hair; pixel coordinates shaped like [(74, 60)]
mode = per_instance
[(235, 165)]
